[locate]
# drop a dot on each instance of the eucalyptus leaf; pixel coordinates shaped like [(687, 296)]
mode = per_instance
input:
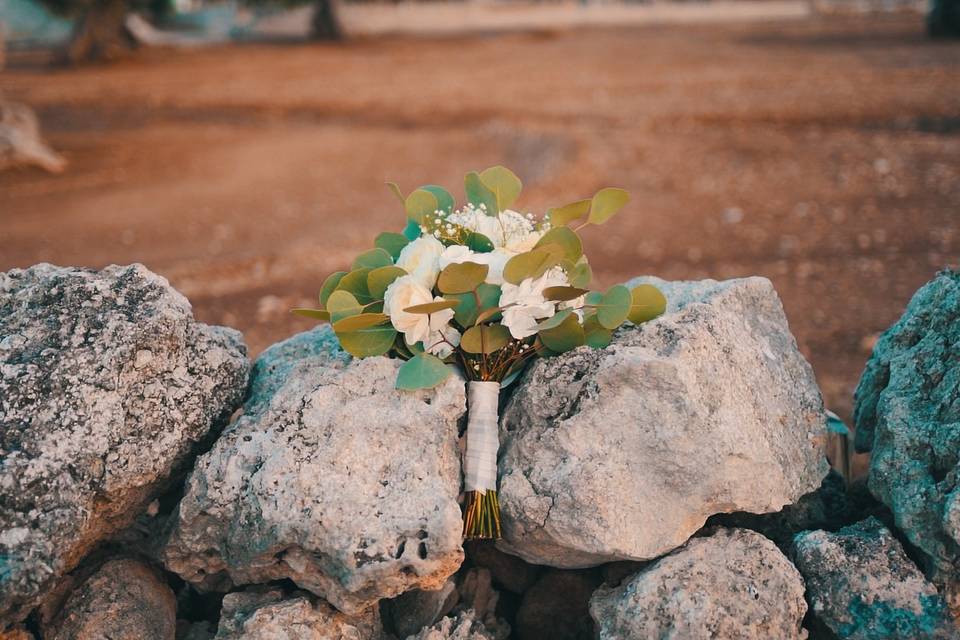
[(432, 307), (423, 371), (565, 238), (479, 193), (466, 312), (532, 264), (565, 336), (412, 231), (596, 335), (420, 205), (355, 283), (504, 184), (614, 307), (341, 304), (445, 201), (606, 203), (581, 274), (563, 294), (368, 342), (392, 243), (373, 259), (317, 314), (555, 320), (361, 321), (478, 243), (379, 279), (395, 190), (646, 303), (330, 285), (569, 212), (461, 277), (488, 314), (485, 338)]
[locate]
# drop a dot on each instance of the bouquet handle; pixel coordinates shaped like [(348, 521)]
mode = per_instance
[(482, 514)]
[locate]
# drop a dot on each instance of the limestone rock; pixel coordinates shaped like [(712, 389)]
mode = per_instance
[(330, 478), (266, 614), (462, 626), (734, 584), (623, 453), (107, 389), (478, 596), (410, 612), (862, 586), (907, 410), (123, 600)]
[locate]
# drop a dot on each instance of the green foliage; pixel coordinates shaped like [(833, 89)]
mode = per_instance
[(467, 311), (316, 314), (373, 259), (360, 321), (485, 338), (379, 279), (423, 371), (478, 243), (504, 184), (462, 277), (392, 243), (581, 275), (613, 307), (646, 303), (567, 335), (566, 239), (342, 304), (395, 190), (420, 205), (445, 201), (355, 283), (569, 212), (606, 203), (369, 341), (432, 307), (533, 264), (596, 335), (330, 285), (412, 231), (480, 194), (563, 294)]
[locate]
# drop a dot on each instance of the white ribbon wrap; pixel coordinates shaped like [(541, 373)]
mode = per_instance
[(480, 459)]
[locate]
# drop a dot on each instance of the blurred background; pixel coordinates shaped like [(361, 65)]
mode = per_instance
[(240, 149)]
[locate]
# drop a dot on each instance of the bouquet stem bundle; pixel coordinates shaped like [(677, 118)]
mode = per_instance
[(482, 514)]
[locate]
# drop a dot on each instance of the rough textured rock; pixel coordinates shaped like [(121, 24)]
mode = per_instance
[(462, 626), (266, 614), (20, 141), (862, 586), (16, 633), (508, 572), (107, 388), (623, 453), (907, 410), (410, 612), (733, 585), (558, 606), (123, 600), (330, 478), (478, 595)]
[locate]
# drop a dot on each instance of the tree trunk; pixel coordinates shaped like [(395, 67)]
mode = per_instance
[(325, 25), (100, 33)]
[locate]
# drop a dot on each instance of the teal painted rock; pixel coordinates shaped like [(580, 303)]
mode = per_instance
[(862, 586), (908, 413)]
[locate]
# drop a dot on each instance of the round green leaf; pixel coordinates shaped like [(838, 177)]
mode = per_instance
[(461, 277), (373, 259), (342, 304), (614, 307), (565, 336), (466, 312), (563, 294), (569, 212), (365, 343), (421, 204), (423, 371), (316, 314), (478, 243), (532, 264), (392, 243), (485, 338), (355, 283), (432, 307), (596, 335), (330, 285), (395, 190), (646, 303), (567, 239), (361, 321), (412, 231), (606, 203), (504, 184), (379, 279), (479, 193), (581, 274), (555, 320), (445, 201)]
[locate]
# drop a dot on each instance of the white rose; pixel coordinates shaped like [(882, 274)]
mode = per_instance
[(524, 304), (406, 292), (420, 259), (495, 260)]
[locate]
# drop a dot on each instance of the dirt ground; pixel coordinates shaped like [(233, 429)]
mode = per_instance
[(822, 153)]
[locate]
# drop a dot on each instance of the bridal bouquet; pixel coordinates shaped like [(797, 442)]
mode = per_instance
[(481, 289)]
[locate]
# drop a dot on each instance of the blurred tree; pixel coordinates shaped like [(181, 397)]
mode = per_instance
[(943, 18)]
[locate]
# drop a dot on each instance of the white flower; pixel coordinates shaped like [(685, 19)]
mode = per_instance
[(519, 232), (495, 260), (524, 304), (416, 327), (442, 342), (420, 259)]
